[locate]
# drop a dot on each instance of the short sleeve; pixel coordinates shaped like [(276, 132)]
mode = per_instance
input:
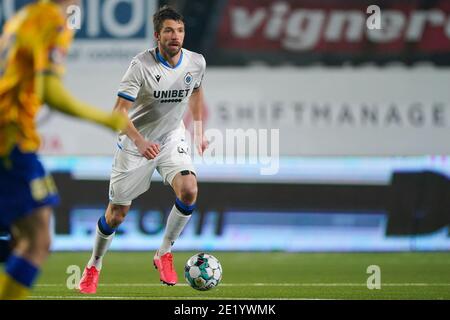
[(198, 83), (131, 82)]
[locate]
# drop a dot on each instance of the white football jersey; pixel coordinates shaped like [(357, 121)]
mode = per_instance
[(160, 94)]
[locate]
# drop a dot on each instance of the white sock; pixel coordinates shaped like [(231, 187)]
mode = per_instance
[(175, 224), (101, 245)]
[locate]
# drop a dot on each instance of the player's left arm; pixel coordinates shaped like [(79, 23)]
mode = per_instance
[(197, 105)]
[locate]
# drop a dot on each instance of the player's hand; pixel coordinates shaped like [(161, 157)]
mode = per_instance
[(117, 121), (202, 145), (148, 149)]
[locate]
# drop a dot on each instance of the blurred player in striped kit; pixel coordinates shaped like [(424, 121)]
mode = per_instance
[(32, 50)]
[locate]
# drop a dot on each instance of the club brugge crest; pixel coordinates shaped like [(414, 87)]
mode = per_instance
[(188, 78)]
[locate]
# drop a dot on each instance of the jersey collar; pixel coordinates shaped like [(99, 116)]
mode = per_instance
[(165, 63)]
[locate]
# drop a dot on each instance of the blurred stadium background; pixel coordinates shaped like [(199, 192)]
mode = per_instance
[(364, 120)]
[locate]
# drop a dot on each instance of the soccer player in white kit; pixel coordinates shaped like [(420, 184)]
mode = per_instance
[(155, 92)]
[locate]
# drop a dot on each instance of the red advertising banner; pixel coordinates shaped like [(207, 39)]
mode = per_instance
[(335, 30)]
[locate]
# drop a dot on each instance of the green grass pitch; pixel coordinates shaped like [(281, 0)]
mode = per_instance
[(251, 275)]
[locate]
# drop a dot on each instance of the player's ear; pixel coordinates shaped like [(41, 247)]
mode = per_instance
[(156, 34)]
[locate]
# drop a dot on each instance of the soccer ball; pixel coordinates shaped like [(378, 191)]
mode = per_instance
[(203, 271)]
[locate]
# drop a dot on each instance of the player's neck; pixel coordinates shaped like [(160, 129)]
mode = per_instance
[(172, 61)]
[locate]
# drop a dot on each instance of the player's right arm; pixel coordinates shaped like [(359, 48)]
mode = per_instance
[(57, 97), (49, 48), (146, 148)]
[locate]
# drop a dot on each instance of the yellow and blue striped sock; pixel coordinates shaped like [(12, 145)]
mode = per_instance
[(18, 278)]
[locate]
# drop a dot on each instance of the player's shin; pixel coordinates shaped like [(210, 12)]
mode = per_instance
[(103, 239), (177, 220)]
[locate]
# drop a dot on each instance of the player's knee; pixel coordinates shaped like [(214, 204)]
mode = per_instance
[(43, 246), (40, 242), (188, 194), (117, 215), (116, 221), (35, 245), (33, 234)]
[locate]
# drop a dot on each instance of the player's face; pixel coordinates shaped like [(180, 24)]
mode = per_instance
[(171, 37)]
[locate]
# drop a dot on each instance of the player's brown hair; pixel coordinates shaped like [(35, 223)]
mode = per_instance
[(165, 13)]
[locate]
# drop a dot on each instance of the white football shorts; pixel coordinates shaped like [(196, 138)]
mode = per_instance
[(131, 174)]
